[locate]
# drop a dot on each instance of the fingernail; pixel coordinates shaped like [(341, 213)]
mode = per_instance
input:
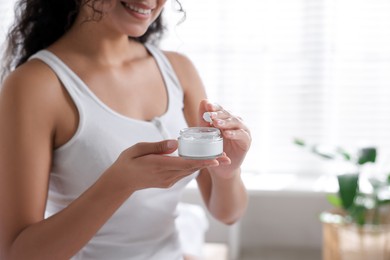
[(171, 144), (220, 122), (215, 105)]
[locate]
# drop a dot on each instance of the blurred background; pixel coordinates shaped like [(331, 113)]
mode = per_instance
[(317, 69), (312, 69)]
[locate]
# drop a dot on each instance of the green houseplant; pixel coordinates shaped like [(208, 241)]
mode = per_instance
[(358, 226)]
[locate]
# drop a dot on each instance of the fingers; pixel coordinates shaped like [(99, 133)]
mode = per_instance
[(224, 160), (148, 165), (163, 147), (173, 163), (227, 121), (242, 137), (204, 107), (164, 171), (222, 118), (232, 127)]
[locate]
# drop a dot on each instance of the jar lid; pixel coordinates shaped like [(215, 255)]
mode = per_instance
[(200, 133)]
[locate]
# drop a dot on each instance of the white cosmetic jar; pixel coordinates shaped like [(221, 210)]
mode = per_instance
[(200, 143)]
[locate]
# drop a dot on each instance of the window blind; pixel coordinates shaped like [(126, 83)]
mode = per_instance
[(315, 69)]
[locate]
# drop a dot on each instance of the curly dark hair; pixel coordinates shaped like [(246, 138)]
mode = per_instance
[(39, 23)]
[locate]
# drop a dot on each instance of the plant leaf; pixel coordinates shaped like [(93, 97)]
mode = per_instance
[(348, 188), (366, 155), (299, 141), (344, 153), (357, 213), (315, 149), (334, 200)]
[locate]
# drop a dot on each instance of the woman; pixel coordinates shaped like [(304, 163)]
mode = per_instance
[(88, 117)]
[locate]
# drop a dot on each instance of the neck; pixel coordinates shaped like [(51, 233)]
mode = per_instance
[(101, 44)]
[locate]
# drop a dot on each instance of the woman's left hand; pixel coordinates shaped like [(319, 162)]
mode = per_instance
[(237, 138)]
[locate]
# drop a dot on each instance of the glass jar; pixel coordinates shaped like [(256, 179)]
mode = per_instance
[(200, 143)]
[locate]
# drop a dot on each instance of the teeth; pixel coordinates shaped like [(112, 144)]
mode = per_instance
[(137, 9)]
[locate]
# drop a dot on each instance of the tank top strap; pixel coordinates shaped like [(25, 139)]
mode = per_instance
[(166, 68), (72, 83)]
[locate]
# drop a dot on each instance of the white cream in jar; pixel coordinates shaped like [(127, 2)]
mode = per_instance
[(200, 143)]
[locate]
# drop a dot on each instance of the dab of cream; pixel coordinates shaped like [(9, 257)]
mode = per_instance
[(207, 117)]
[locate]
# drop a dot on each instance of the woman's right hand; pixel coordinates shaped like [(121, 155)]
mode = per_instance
[(149, 165)]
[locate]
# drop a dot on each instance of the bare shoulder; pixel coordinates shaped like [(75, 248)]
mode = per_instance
[(179, 60), (34, 78), (31, 93), (186, 72), (32, 85)]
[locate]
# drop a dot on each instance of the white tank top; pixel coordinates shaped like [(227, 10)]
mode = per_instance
[(144, 226)]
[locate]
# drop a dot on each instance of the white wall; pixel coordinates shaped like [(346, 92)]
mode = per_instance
[(283, 219), (275, 219)]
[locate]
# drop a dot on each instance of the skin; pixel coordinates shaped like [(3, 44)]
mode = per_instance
[(37, 116)]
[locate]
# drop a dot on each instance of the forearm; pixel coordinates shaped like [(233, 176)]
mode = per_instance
[(65, 233), (227, 200)]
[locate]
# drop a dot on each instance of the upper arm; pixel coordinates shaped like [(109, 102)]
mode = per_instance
[(27, 124)]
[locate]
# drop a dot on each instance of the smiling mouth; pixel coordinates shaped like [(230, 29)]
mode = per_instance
[(137, 9)]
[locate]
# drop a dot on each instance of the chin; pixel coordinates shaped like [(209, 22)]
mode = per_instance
[(136, 33)]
